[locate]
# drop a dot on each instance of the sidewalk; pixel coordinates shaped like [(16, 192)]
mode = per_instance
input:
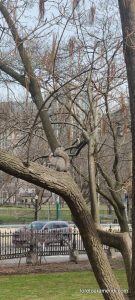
[(47, 259)]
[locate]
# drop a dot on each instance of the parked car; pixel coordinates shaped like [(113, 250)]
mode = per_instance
[(47, 232)]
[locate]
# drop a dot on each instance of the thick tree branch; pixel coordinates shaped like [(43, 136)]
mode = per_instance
[(112, 191), (120, 241), (11, 72), (104, 195)]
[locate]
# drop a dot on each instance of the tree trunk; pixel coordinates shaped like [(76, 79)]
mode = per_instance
[(122, 242), (122, 219), (96, 255), (92, 181), (116, 202), (127, 13)]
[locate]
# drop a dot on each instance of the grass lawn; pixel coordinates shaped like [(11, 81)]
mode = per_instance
[(18, 215), (56, 286)]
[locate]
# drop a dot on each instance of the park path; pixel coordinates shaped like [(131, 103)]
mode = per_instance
[(47, 259)]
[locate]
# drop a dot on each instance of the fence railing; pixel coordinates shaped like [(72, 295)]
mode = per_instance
[(43, 245)]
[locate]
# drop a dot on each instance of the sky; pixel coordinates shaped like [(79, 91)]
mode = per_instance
[(30, 19)]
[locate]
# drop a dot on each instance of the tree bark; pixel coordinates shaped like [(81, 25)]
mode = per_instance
[(122, 242), (127, 14), (92, 181), (92, 144)]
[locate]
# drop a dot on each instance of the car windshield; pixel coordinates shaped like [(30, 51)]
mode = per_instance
[(36, 225), (61, 225)]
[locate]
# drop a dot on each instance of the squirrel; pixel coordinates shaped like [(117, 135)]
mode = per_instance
[(59, 159)]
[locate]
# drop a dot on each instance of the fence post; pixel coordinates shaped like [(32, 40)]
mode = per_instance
[(58, 209)]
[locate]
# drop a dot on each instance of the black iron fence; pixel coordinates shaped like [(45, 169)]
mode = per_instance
[(18, 244), (14, 247)]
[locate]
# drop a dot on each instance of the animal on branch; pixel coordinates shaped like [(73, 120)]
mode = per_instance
[(59, 160)]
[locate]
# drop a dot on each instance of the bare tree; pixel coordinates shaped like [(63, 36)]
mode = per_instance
[(50, 179)]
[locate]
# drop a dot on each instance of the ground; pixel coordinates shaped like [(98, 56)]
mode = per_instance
[(116, 263)]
